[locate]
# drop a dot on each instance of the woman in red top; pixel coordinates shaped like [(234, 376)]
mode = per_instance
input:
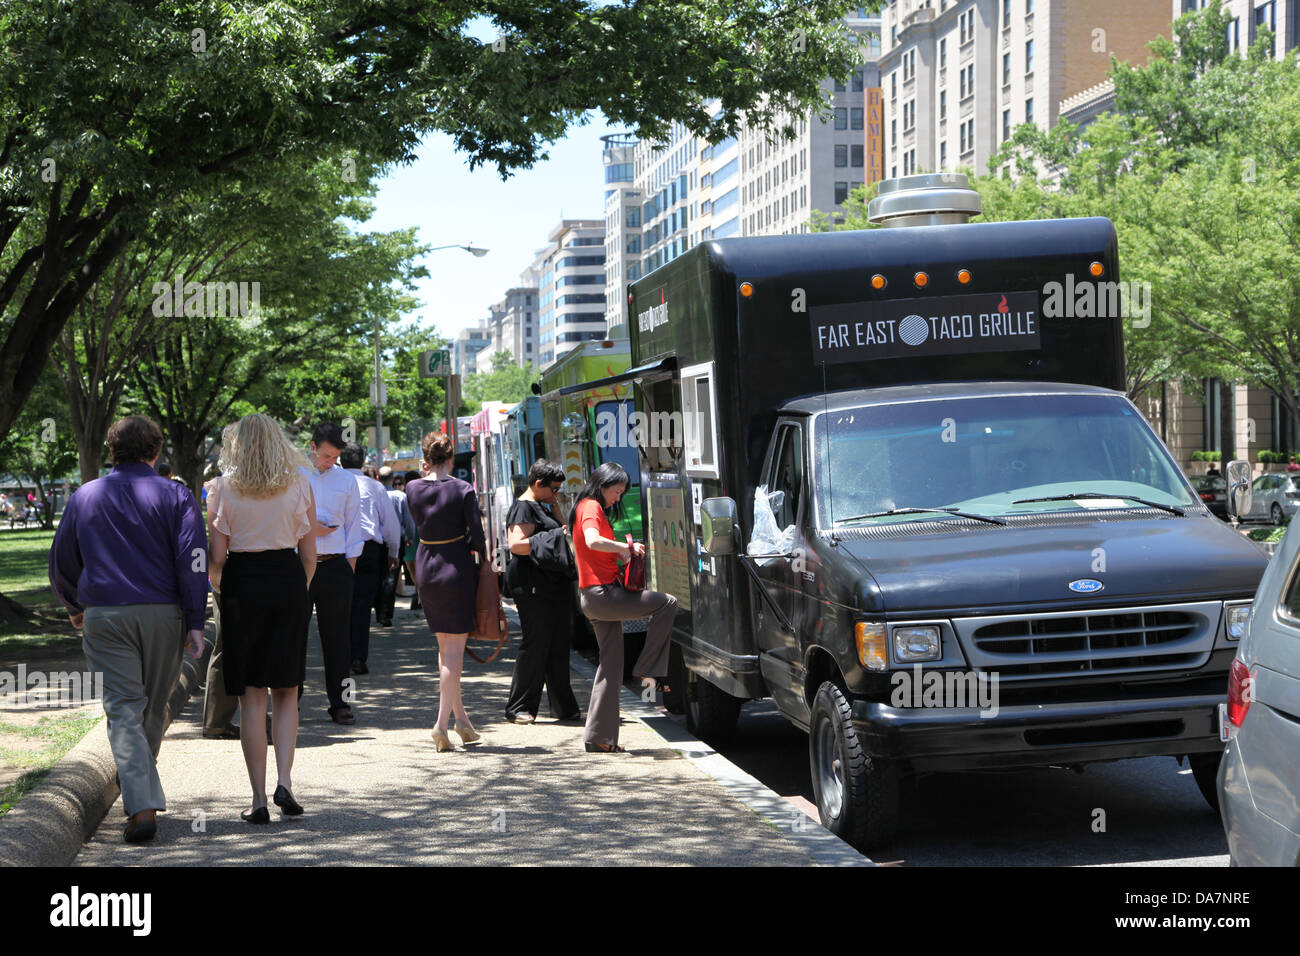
[(606, 604)]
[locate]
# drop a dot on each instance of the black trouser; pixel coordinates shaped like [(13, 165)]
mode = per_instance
[(386, 598), (547, 623), (331, 595), (371, 566)]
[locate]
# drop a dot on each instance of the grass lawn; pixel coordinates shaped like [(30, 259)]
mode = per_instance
[(31, 743), (33, 749)]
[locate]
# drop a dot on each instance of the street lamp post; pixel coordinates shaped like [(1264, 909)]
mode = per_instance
[(478, 253)]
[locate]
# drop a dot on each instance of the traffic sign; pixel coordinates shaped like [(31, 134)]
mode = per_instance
[(435, 363)]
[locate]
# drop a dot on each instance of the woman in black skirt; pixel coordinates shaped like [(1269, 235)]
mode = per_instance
[(259, 510), (540, 578)]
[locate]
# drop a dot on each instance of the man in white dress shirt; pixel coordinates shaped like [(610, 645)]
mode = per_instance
[(339, 542), (381, 537)]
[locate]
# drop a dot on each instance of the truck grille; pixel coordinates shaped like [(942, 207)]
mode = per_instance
[(1099, 642)]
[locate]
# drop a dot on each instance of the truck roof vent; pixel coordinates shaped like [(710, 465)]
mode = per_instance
[(929, 199)]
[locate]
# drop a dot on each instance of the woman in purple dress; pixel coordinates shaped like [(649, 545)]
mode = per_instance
[(446, 515)]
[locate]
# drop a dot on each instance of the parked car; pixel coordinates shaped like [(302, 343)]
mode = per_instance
[(1259, 776), (1274, 498), (1214, 492)]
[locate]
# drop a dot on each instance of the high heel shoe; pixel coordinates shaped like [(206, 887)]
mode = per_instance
[(467, 734), (285, 801), (441, 741), (260, 815)]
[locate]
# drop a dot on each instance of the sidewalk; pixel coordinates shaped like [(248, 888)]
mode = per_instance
[(377, 793)]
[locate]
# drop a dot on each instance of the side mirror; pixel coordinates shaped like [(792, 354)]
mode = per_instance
[(718, 526), (1239, 494)]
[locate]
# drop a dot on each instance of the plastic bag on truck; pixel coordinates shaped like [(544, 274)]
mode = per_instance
[(767, 537)]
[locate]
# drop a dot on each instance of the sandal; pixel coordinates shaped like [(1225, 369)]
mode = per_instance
[(605, 749)]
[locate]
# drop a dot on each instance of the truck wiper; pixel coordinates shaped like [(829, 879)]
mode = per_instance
[(1096, 494), (914, 511)]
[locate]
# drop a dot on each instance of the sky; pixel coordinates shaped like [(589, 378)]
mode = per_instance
[(449, 204)]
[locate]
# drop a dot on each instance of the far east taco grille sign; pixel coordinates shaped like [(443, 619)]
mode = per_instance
[(945, 325)]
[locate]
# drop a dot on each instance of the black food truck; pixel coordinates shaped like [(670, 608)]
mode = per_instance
[(895, 483)]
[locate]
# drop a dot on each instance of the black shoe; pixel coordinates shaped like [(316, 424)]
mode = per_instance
[(285, 801), (260, 815), (343, 715), (140, 829), (573, 717), (359, 667)]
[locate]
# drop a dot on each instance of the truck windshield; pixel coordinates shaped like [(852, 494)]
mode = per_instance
[(982, 455)]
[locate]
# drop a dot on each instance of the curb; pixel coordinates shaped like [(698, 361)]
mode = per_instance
[(49, 825), (770, 807)]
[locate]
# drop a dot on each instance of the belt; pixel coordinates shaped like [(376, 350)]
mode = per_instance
[(327, 557), (444, 541)]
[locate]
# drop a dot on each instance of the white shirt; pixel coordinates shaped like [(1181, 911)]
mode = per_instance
[(338, 502), (378, 516)]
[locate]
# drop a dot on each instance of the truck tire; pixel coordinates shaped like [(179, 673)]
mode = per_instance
[(675, 696), (857, 794), (711, 712), (1205, 771)]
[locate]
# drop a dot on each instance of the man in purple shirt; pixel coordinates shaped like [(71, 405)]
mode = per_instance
[(130, 563)]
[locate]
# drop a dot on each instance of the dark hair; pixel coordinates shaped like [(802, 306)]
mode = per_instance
[(547, 472), (605, 476), (410, 476), (351, 455), (164, 469), (329, 432), (437, 448), (134, 438)]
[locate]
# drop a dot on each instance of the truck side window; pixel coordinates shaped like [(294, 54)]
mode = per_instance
[(699, 418), (787, 474)]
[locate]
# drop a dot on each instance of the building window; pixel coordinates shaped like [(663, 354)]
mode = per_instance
[(1006, 14), (856, 82), (855, 118), (893, 134), (893, 85), (857, 156), (1006, 125), (943, 104), (841, 192), (841, 117), (943, 54), (1029, 56), (1029, 110), (1006, 68), (1233, 37), (841, 154), (943, 154), (840, 87)]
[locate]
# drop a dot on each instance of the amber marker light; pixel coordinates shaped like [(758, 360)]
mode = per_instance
[(870, 639), (877, 282), (921, 280), (746, 289), (963, 276), (1096, 269)]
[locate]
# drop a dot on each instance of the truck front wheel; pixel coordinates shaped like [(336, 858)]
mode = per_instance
[(857, 794), (711, 713)]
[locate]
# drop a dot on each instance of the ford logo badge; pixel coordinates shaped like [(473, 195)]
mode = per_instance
[(1086, 586)]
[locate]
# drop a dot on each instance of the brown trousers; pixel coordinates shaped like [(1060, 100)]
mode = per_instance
[(607, 606)]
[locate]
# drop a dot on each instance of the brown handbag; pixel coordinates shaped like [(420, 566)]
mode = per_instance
[(489, 615), (632, 576)]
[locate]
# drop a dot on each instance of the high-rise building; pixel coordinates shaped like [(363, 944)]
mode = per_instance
[(513, 324), (570, 287), (684, 191), (960, 75), (465, 348)]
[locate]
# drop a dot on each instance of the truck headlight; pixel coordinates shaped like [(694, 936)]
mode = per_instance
[(871, 643), (1237, 617), (917, 643)]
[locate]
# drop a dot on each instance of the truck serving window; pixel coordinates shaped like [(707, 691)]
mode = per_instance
[(982, 455), (699, 420)]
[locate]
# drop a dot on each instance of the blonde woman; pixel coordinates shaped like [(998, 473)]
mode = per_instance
[(259, 511)]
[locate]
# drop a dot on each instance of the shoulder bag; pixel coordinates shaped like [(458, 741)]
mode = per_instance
[(632, 577)]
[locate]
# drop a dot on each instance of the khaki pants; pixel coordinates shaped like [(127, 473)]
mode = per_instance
[(138, 648), (607, 606), (219, 708)]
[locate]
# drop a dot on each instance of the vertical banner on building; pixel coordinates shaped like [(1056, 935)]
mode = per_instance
[(875, 141)]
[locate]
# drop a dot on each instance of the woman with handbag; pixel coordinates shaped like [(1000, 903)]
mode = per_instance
[(540, 569), (607, 601), (445, 510)]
